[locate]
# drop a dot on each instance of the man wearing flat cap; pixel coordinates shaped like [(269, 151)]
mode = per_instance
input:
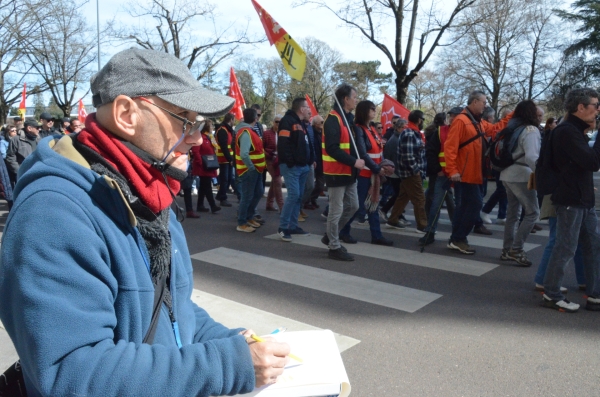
[(21, 146), (104, 309)]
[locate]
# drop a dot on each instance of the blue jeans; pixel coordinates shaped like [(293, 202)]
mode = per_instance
[(225, 179), (578, 258), (251, 190), (498, 197), (574, 226), (468, 205), (440, 189), (295, 180), (362, 187)]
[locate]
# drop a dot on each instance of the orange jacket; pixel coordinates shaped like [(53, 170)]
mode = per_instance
[(461, 130)]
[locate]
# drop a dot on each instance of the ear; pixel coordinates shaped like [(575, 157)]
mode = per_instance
[(125, 116)]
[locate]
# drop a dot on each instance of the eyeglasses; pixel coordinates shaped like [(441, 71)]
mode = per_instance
[(258, 114), (597, 104), (195, 125), (379, 128), (276, 121)]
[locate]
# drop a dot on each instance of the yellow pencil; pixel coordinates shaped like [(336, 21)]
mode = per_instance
[(259, 339)]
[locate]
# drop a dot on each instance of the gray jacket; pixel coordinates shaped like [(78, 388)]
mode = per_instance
[(19, 148), (527, 151)]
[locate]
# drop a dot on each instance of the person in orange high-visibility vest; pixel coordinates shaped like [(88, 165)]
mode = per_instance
[(439, 184), (370, 148), (340, 167), (249, 163), (224, 136)]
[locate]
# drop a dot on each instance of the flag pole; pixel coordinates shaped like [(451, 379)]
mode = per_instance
[(340, 106)]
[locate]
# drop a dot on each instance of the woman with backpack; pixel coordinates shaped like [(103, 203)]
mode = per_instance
[(524, 139)]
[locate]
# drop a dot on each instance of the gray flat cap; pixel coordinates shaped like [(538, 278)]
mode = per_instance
[(455, 110), (137, 72)]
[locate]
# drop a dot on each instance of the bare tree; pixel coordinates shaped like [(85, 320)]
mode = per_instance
[(180, 28), (16, 21), (487, 52), (371, 17), (64, 50)]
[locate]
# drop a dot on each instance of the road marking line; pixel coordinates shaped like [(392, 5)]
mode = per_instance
[(445, 236), (235, 315), (410, 257), (362, 289)]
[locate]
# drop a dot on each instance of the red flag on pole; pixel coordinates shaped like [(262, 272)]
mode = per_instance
[(391, 108), (236, 93), (81, 113), (22, 108), (313, 109)]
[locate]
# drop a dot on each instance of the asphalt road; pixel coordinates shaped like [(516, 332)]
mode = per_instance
[(432, 324)]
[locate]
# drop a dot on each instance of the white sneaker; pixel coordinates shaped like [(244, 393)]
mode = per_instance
[(562, 306), (485, 218), (500, 221), (540, 287), (194, 192)]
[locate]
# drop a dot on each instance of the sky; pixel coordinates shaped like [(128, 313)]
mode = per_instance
[(299, 22)]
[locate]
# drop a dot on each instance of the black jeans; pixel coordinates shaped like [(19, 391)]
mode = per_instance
[(205, 190)]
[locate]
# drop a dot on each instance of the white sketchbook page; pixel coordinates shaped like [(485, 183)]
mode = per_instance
[(322, 370)]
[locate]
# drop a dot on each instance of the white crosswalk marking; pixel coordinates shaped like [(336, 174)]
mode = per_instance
[(366, 290), (444, 236), (235, 315), (411, 257)]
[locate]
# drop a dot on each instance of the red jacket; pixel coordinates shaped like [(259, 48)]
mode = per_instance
[(197, 152)]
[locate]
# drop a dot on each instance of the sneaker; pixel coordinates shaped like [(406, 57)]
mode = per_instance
[(420, 231), (485, 217), (245, 228), (520, 257), (303, 214), (325, 240), (260, 221), (396, 225), (191, 214), (348, 239), (225, 203), (324, 215), (194, 192), (340, 255), (403, 221), (461, 246), (593, 304), (285, 235), (427, 239), (301, 218), (504, 256), (500, 221), (562, 306), (299, 231), (540, 288), (253, 223), (382, 241), (482, 230), (383, 215)]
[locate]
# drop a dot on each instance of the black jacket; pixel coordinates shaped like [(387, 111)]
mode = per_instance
[(292, 142), (432, 151), (576, 163), (221, 136), (318, 135), (363, 143), (19, 148), (332, 131)]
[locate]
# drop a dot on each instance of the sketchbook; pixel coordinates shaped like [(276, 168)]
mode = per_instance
[(321, 373)]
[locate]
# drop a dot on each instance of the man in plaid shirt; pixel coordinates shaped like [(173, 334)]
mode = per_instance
[(412, 166)]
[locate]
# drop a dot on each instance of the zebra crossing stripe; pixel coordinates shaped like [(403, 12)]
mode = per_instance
[(444, 236), (353, 287), (235, 315), (399, 255)]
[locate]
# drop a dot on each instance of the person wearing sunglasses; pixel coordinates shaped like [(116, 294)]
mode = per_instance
[(106, 308)]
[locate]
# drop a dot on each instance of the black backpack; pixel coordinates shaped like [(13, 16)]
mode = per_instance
[(502, 147), (546, 176)]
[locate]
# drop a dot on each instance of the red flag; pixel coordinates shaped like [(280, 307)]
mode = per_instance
[(273, 30), (236, 93), (313, 110), (81, 113), (391, 108), (22, 108)]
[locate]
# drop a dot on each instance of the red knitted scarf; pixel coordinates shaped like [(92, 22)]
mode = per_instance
[(146, 180)]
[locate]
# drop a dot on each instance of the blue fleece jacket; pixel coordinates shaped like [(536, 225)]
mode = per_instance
[(76, 294)]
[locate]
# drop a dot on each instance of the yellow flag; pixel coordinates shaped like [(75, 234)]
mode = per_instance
[(292, 55)]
